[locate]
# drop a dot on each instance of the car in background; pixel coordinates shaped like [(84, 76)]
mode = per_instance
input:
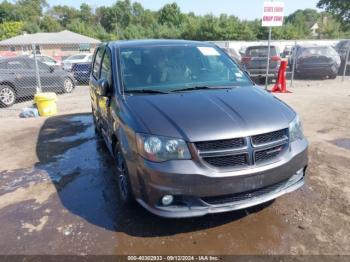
[(316, 61), (242, 50), (78, 58), (18, 79), (342, 47), (255, 61), (233, 54), (47, 60), (287, 51), (81, 72)]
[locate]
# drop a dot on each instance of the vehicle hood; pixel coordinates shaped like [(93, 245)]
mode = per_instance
[(210, 114)]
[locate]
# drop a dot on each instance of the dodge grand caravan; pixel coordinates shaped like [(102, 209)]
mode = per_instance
[(189, 131)]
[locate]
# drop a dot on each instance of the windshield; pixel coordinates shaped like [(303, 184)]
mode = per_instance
[(171, 68)]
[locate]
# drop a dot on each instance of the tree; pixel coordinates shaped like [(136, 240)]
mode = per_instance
[(86, 14), (63, 13), (8, 12), (49, 24), (170, 15), (10, 29), (126, 19), (303, 20), (339, 8)]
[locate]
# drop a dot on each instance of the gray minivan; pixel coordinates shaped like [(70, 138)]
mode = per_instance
[(189, 131)]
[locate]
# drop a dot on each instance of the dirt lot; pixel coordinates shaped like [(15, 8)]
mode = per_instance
[(57, 194)]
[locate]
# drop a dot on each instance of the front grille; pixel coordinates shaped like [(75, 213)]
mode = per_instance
[(228, 161), (270, 137), (268, 154), (220, 144), (236, 153), (219, 200)]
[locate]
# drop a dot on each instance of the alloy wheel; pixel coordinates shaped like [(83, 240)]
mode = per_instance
[(7, 96), (68, 85), (122, 177)]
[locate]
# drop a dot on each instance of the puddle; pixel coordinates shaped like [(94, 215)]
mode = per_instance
[(342, 142), (75, 180)]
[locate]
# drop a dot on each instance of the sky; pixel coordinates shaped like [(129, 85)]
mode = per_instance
[(244, 9)]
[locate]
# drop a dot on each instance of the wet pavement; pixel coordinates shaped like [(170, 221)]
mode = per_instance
[(67, 203), (342, 142)]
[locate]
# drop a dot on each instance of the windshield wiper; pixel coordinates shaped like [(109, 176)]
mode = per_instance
[(200, 88), (146, 91)]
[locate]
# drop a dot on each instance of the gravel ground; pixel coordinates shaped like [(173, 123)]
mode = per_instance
[(66, 103), (57, 194)]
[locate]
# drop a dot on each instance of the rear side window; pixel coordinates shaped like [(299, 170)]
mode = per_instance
[(17, 64), (97, 63), (260, 51)]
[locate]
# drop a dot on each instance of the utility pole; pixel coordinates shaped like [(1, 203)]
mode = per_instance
[(268, 59), (38, 83)]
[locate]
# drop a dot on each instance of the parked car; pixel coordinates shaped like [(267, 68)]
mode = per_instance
[(18, 79), (342, 47), (81, 72), (47, 60), (79, 58), (255, 61), (320, 61), (242, 50), (233, 54), (189, 131), (287, 51)]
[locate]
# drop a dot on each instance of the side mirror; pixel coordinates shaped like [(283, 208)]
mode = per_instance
[(102, 87)]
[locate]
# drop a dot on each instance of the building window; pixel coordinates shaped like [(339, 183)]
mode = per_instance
[(84, 47), (69, 48)]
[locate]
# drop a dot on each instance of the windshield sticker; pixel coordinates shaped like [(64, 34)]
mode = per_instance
[(239, 74), (208, 51)]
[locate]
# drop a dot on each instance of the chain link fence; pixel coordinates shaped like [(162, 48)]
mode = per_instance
[(28, 69), (306, 59), (64, 68)]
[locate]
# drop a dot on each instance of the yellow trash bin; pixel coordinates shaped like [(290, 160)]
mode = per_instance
[(46, 103)]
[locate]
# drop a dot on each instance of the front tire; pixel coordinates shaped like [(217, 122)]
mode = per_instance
[(97, 126), (333, 76), (124, 188), (7, 96), (68, 85)]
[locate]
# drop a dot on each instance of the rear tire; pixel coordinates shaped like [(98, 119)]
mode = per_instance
[(7, 96), (68, 85), (123, 182)]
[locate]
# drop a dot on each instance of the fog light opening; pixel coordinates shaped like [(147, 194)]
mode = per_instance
[(167, 200)]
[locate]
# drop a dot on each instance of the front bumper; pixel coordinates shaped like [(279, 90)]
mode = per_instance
[(317, 70), (292, 184), (194, 184)]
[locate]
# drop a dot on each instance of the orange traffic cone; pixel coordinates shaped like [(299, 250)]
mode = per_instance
[(281, 86)]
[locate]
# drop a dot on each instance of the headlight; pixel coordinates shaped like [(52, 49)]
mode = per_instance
[(160, 149), (295, 130)]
